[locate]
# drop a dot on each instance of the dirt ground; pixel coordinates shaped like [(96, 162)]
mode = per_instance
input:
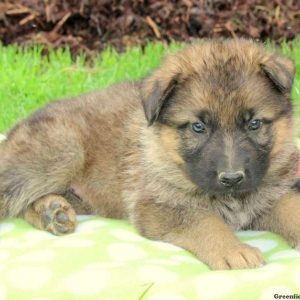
[(91, 25)]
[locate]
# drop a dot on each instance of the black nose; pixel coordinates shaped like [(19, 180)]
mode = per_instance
[(231, 178)]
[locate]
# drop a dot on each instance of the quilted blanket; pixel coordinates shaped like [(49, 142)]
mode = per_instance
[(106, 259)]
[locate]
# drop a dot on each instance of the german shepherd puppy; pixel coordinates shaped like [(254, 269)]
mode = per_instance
[(203, 146)]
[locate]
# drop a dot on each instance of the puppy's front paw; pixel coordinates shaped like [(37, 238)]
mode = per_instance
[(238, 256)]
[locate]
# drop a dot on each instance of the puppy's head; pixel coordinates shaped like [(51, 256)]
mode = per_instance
[(222, 111)]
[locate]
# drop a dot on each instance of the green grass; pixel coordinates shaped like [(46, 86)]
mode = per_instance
[(28, 79)]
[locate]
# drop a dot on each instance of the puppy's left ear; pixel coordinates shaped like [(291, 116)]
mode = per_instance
[(280, 71)]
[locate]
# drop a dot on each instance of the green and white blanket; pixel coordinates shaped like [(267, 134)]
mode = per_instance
[(107, 259)]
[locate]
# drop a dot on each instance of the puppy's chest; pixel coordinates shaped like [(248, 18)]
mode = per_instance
[(236, 213)]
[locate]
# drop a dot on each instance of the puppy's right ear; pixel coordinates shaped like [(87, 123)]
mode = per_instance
[(158, 89), (157, 98)]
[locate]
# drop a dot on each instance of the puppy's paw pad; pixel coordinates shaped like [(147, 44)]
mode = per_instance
[(55, 204), (62, 217), (58, 217)]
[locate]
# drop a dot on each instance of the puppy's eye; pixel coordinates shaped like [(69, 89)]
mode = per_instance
[(199, 127), (254, 124)]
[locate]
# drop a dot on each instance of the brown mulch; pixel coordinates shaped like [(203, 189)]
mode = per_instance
[(94, 24)]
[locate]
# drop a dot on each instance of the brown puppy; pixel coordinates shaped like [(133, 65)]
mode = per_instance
[(203, 146)]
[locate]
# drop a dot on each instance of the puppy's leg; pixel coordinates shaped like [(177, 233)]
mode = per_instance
[(51, 213), (284, 219), (199, 232), (41, 156)]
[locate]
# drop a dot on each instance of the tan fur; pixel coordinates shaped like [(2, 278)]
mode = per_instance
[(284, 219), (285, 134), (169, 140), (101, 147)]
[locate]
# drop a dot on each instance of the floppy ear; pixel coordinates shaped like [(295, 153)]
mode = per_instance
[(280, 71), (156, 93), (158, 89)]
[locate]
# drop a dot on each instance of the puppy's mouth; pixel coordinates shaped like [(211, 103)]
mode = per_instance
[(236, 192)]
